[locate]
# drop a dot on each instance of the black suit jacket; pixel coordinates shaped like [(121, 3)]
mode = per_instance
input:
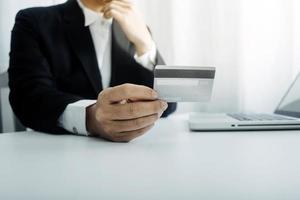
[(53, 63)]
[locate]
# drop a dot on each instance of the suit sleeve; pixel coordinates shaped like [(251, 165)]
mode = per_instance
[(33, 94)]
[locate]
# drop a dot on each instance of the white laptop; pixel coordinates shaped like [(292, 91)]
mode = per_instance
[(285, 117)]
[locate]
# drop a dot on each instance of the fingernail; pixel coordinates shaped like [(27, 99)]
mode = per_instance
[(154, 95), (164, 105)]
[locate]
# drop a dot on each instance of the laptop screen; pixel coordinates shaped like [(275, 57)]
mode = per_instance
[(290, 104)]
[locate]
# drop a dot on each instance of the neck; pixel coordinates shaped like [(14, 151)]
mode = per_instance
[(93, 5)]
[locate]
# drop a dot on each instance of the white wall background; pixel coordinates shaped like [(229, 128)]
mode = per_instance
[(255, 45)]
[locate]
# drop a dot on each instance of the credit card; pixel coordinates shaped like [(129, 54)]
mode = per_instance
[(184, 84)]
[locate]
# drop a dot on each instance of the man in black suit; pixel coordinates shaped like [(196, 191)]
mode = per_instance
[(85, 67)]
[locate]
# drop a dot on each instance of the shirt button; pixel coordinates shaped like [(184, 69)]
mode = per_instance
[(75, 130)]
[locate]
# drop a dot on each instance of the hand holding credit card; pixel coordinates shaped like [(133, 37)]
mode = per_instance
[(184, 84)]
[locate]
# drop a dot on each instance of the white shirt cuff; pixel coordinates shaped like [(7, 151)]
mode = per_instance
[(148, 59), (73, 118)]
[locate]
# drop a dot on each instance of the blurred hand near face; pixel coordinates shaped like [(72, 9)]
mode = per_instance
[(132, 23)]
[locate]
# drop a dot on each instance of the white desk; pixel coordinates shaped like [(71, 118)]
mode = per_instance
[(167, 163)]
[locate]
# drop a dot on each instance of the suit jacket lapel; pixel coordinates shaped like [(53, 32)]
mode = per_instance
[(81, 41)]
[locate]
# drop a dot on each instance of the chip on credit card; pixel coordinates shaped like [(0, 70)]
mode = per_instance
[(184, 84)]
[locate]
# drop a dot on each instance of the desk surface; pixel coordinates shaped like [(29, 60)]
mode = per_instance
[(167, 163)]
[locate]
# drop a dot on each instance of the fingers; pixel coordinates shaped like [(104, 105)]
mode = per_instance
[(135, 110), (121, 3), (126, 3), (116, 5), (119, 6), (115, 12), (116, 9), (133, 125), (130, 135), (127, 92)]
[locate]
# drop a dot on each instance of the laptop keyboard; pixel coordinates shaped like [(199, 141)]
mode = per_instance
[(258, 117)]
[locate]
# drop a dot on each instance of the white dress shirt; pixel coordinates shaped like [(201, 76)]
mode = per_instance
[(73, 118)]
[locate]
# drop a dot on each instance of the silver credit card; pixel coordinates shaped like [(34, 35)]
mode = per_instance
[(184, 84)]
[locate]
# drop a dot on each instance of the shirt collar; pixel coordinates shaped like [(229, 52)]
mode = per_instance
[(91, 17)]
